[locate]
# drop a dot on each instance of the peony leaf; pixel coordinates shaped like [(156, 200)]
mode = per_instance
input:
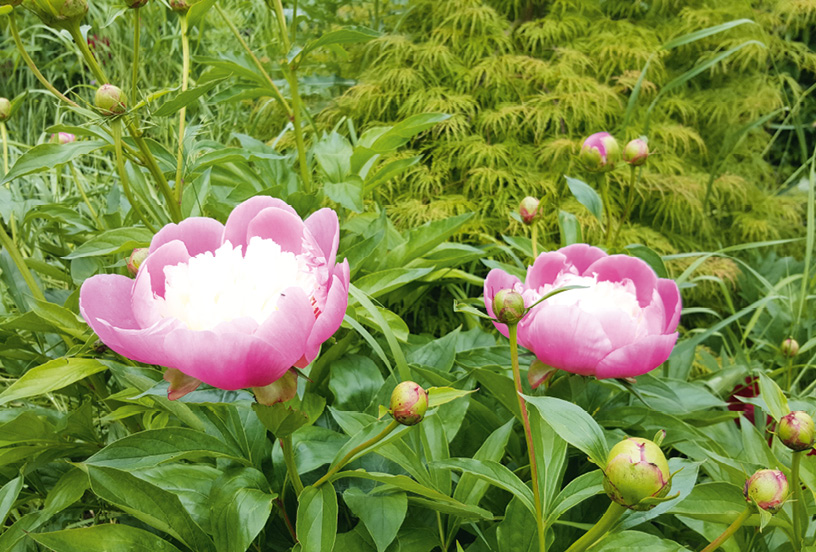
[(774, 397), (382, 513), (317, 518), (51, 376), (104, 538), (442, 395), (586, 196)]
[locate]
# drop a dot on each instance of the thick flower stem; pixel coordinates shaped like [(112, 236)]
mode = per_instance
[(4, 135), (356, 450), (116, 127), (30, 63), (291, 467), (716, 543), (607, 208), (799, 503), (630, 199), (528, 434), (185, 74), (134, 88), (147, 156), (610, 517), (534, 240)]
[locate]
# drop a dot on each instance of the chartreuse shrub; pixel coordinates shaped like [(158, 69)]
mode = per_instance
[(718, 88)]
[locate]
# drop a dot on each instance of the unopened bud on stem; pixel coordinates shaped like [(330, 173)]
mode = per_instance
[(409, 402), (110, 100), (528, 209), (5, 109), (636, 152), (508, 306), (636, 469), (789, 348), (768, 489), (797, 431)]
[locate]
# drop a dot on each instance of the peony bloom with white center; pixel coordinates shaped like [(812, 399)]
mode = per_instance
[(235, 305), (622, 323)]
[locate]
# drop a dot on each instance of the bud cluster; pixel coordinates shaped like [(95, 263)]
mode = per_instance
[(600, 152)]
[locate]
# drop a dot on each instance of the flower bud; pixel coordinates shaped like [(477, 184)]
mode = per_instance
[(528, 209), (181, 6), (789, 348), (636, 469), (110, 100), (136, 259), (58, 13), (62, 138), (508, 306), (135, 4), (600, 152), (5, 109), (768, 489), (539, 373), (797, 431), (409, 402), (636, 152)]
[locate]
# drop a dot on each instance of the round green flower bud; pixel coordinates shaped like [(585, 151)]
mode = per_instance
[(600, 152), (528, 209), (797, 431), (508, 306), (636, 152), (5, 109), (789, 348), (409, 402), (136, 259), (768, 489), (110, 100), (58, 13), (636, 469)]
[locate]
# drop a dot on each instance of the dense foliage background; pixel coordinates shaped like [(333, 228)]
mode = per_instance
[(423, 124)]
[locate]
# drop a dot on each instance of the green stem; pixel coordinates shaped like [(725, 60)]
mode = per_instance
[(255, 60), (116, 127), (294, 21), (136, 32), (630, 200), (282, 24), (610, 517), (291, 467), (607, 207), (4, 134), (789, 373), (356, 450), (81, 189), (528, 434), (716, 543), (799, 504), (185, 73), (291, 77), (30, 62), (19, 262), (147, 155), (534, 240)]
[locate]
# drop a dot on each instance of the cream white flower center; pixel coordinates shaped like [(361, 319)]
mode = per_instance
[(213, 288)]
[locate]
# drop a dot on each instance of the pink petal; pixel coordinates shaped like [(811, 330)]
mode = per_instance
[(235, 230), (497, 280), (199, 235), (567, 338), (637, 358), (617, 268), (581, 255), (288, 328), (325, 228), (104, 302), (671, 300), (169, 254), (282, 227), (330, 319), (546, 269)]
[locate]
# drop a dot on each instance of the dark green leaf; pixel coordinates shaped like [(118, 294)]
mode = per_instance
[(586, 196), (51, 376), (317, 518), (107, 537), (47, 156), (381, 512), (574, 425), (118, 240)]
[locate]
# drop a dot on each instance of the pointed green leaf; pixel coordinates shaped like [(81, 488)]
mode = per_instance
[(317, 518)]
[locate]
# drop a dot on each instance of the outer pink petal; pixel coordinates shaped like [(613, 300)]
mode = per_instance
[(282, 227), (617, 268), (330, 319), (637, 358), (151, 279), (235, 230), (671, 300), (199, 234), (325, 228), (545, 269), (567, 338), (497, 280), (581, 255), (104, 302)]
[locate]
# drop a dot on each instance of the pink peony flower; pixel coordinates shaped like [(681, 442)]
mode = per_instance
[(63, 138), (232, 305), (622, 324)]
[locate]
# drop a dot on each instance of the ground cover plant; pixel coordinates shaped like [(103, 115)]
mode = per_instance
[(407, 276)]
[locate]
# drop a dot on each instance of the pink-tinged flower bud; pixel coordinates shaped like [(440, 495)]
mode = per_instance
[(789, 348), (62, 138), (797, 431), (636, 469), (58, 13), (508, 306), (136, 259), (278, 391), (181, 6), (768, 489), (636, 152), (5, 109), (539, 373), (136, 4), (110, 100), (600, 152), (409, 402), (528, 209)]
